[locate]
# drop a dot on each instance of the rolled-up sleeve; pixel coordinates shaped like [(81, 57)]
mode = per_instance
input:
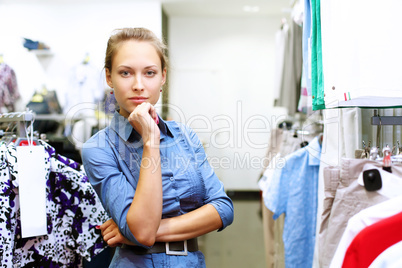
[(104, 170), (214, 189)]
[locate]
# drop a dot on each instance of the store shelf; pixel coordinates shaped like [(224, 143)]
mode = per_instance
[(42, 52)]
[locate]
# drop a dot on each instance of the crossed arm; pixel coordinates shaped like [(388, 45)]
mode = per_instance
[(195, 223)]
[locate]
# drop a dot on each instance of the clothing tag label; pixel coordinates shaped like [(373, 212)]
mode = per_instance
[(32, 190)]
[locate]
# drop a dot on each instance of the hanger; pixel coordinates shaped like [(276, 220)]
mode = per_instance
[(372, 177), (285, 124), (396, 149), (19, 120)]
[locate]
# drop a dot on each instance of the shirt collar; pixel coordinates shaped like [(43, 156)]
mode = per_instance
[(124, 129), (164, 128), (314, 150)]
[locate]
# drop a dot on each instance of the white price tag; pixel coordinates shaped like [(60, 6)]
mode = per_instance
[(32, 190)]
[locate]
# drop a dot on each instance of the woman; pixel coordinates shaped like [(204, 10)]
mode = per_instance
[(152, 176)]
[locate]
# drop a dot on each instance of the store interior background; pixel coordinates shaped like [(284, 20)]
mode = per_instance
[(222, 58)]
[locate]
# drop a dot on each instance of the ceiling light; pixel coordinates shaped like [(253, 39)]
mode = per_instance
[(251, 8)]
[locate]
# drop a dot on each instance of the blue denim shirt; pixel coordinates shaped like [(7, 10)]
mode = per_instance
[(112, 159), (293, 191)]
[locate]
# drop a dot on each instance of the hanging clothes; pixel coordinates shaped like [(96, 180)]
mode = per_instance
[(8, 88), (85, 90), (85, 86), (73, 211), (281, 41), (307, 31), (305, 103), (317, 74), (281, 143), (288, 137), (390, 257), (372, 241), (363, 219), (288, 79), (344, 197), (293, 191)]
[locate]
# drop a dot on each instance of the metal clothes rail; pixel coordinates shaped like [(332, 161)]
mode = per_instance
[(21, 118)]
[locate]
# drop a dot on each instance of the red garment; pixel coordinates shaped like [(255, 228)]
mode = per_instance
[(372, 241)]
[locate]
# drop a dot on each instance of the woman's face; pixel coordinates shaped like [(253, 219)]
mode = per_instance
[(136, 75)]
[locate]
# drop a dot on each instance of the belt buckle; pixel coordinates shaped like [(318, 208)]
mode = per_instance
[(175, 252)]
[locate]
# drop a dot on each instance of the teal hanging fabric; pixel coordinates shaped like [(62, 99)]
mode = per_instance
[(317, 77)]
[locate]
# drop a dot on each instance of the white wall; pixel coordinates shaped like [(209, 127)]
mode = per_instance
[(71, 30), (221, 84), (221, 68)]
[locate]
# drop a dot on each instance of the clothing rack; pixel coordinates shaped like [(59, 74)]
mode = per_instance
[(21, 118), (378, 120)]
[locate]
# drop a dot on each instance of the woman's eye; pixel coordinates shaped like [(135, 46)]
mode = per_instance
[(124, 73), (150, 73)]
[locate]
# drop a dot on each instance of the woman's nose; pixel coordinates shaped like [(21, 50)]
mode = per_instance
[(138, 85)]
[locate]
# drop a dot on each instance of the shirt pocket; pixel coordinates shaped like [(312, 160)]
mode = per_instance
[(189, 177), (193, 197), (171, 200)]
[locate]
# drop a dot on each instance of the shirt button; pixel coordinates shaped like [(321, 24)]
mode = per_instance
[(177, 199), (171, 179)]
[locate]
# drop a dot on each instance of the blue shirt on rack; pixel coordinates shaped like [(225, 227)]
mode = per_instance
[(293, 191), (112, 159)]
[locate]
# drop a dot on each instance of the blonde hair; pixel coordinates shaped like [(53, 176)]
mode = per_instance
[(136, 34)]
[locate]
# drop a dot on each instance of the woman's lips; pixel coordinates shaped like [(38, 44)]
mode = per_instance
[(138, 100)]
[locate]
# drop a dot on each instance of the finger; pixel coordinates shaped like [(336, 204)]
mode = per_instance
[(113, 241), (152, 111), (149, 110), (154, 114), (111, 234), (106, 224), (102, 228), (108, 236), (140, 113), (110, 229)]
